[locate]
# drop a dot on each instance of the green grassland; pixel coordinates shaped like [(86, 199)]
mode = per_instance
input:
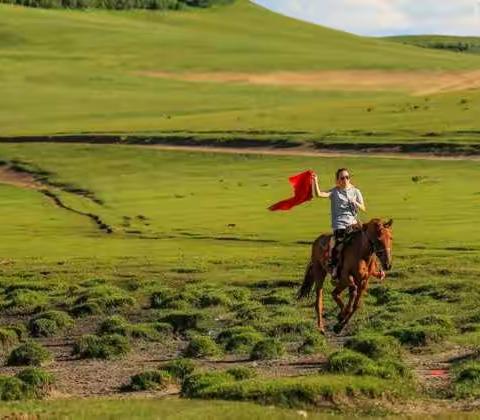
[(193, 246), (73, 72)]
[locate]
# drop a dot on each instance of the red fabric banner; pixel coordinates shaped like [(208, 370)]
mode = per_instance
[(302, 190)]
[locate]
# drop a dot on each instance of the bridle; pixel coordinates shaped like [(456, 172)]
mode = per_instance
[(376, 246)]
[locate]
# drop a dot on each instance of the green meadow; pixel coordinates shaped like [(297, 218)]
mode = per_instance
[(157, 282), (83, 71), (197, 267)]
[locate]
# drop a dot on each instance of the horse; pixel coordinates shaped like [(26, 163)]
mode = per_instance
[(359, 263)]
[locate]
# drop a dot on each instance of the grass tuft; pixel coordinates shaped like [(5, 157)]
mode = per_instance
[(50, 323), (149, 380), (201, 346), (105, 347), (267, 350), (29, 354)]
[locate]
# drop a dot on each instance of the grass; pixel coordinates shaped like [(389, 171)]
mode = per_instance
[(149, 380), (148, 408), (49, 323), (105, 347), (65, 70), (29, 354), (293, 392), (241, 264), (267, 350), (201, 347)]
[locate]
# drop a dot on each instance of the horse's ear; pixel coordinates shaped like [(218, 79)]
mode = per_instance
[(388, 224)]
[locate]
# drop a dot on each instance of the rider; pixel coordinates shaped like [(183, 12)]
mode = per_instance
[(346, 201)]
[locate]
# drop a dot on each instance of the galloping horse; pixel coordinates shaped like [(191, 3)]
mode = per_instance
[(372, 240)]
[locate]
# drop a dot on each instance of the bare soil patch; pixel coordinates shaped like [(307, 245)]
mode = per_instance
[(415, 82), (18, 179)]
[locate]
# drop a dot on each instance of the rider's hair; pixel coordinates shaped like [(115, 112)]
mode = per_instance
[(339, 171)]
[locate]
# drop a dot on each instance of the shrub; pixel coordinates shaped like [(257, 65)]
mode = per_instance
[(313, 344), (182, 321), (267, 349), (419, 336), (29, 354), (105, 347), (152, 379), (38, 380), (179, 368), (374, 346), (242, 373), (49, 323), (202, 346), (8, 338)]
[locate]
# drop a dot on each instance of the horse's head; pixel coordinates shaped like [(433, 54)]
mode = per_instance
[(380, 235)]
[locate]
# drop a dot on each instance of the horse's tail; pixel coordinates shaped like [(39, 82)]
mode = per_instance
[(319, 247), (308, 282)]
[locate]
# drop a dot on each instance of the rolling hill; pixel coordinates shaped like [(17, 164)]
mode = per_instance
[(134, 72)]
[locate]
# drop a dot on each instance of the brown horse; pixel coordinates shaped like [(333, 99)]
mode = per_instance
[(359, 263)]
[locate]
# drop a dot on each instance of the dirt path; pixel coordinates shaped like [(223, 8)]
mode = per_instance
[(307, 152), (416, 82)]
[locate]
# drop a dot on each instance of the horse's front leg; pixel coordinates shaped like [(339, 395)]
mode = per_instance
[(361, 289), (348, 310), (338, 300)]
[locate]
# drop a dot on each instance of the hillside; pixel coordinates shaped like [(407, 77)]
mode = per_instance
[(66, 71)]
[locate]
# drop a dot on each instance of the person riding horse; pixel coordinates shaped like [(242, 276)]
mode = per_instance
[(346, 201)]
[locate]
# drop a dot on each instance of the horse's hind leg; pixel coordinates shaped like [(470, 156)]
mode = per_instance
[(319, 274)]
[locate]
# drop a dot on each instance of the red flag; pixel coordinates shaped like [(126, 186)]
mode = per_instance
[(302, 189)]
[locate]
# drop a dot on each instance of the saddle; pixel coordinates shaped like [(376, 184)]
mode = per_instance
[(347, 239)]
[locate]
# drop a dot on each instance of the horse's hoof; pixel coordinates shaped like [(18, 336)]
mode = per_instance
[(337, 329)]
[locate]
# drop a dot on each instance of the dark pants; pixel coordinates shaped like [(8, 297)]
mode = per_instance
[(339, 237)]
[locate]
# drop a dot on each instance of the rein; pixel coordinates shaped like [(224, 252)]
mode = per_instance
[(375, 246)]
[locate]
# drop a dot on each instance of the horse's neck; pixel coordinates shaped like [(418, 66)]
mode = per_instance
[(361, 246)]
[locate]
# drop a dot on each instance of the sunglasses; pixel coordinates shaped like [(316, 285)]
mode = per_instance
[(344, 178)]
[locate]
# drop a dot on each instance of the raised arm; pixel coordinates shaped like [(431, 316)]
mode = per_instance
[(316, 192)]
